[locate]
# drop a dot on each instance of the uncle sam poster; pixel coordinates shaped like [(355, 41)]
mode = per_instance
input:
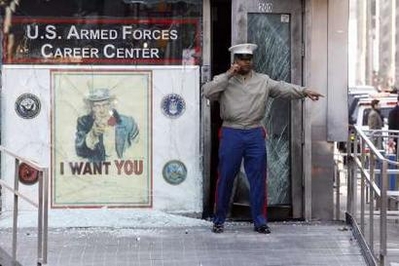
[(101, 138)]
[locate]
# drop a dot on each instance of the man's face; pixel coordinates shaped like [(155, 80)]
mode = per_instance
[(101, 109), (245, 63), (376, 106)]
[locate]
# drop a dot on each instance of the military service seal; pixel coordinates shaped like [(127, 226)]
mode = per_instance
[(173, 105), (174, 172), (27, 105)]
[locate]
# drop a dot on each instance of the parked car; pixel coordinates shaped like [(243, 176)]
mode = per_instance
[(387, 103), (356, 93), (365, 89)]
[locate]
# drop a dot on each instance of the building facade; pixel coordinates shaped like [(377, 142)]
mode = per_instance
[(141, 64), (377, 46)]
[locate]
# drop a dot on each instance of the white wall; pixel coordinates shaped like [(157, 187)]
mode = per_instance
[(173, 138)]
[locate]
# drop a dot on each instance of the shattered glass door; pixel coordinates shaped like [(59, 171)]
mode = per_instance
[(273, 57)]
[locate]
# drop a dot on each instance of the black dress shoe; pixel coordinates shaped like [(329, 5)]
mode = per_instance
[(217, 228), (263, 229)]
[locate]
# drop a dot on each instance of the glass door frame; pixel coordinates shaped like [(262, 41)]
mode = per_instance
[(240, 9)]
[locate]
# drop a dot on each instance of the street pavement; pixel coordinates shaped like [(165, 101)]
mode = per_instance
[(290, 243)]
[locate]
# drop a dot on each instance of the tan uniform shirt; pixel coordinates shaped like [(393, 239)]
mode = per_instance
[(243, 101)]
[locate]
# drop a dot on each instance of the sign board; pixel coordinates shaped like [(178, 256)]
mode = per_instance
[(101, 137), (103, 41)]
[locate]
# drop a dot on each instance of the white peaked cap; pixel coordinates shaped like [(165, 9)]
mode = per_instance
[(245, 48)]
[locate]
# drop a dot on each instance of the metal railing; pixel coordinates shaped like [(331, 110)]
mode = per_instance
[(368, 170), (41, 204)]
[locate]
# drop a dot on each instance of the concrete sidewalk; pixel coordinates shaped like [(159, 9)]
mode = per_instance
[(290, 243)]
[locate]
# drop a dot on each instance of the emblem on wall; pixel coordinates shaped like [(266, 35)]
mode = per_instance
[(174, 172), (27, 174), (173, 105), (27, 105)]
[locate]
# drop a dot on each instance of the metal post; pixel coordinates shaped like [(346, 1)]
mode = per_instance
[(371, 206), (205, 106), (349, 184), (338, 192), (349, 161), (362, 189), (40, 221), (383, 212), (369, 186), (354, 177), (45, 215), (15, 212), (42, 218)]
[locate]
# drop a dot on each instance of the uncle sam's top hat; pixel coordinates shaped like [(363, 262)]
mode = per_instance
[(245, 48), (99, 94)]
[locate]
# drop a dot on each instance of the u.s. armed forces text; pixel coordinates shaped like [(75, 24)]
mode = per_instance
[(124, 33)]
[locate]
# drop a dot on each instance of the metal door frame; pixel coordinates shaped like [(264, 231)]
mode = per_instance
[(240, 9), (205, 135)]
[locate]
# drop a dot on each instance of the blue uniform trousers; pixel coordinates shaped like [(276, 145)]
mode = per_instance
[(237, 145)]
